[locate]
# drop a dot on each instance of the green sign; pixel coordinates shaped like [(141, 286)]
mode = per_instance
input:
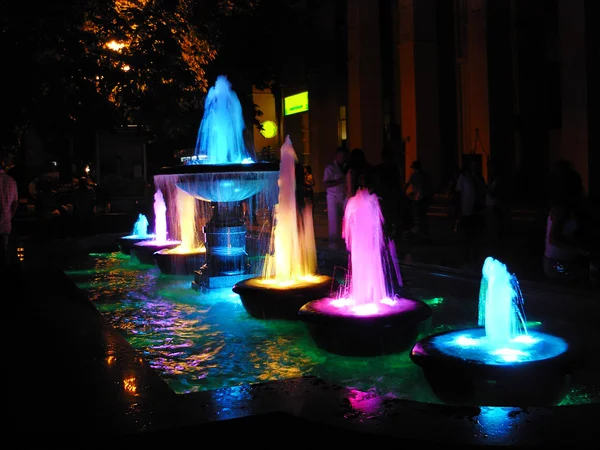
[(295, 104)]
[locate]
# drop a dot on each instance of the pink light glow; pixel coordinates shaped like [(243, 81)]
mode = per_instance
[(160, 217), (347, 307), (370, 283)]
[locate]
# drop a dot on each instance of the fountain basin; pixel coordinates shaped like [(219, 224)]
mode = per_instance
[(264, 299), (180, 262), (393, 328), (144, 251), (463, 368), (223, 183), (126, 243)]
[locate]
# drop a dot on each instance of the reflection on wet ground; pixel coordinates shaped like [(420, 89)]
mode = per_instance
[(199, 342)]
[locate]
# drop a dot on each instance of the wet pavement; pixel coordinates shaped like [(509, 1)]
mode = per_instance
[(73, 375)]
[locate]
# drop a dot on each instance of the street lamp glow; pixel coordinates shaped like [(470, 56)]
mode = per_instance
[(115, 45)]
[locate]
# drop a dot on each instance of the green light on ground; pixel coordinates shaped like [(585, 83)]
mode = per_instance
[(434, 301)]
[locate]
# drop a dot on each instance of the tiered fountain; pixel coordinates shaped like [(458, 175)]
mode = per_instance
[(144, 251), (500, 362), (139, 234), (222, 174), (289, 278), (366, 317)]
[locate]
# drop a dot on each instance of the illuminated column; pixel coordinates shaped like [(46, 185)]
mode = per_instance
[(473, 106), (418, 85), (365, 113), (325, 92), (573, 85)]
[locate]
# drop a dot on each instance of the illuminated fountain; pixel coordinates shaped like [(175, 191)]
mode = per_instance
[(221, 174), (191, 253), (289, 278), (500, 362), (139, 233), (143, 251), (366, 317)]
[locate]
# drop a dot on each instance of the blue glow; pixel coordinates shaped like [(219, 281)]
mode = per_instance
[(474, 345), (221, 134), (500, 304)]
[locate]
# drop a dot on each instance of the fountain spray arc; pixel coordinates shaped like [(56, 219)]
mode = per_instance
[(367, 317), (221, 175), (289, 277), (500, 362)]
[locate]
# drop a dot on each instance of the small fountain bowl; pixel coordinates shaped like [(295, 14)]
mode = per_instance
[(170, 261), (463, 369), (264, 299), (392, 329), (144, 251), (126, 243)]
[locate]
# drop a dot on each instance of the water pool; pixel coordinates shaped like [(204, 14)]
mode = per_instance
[(200, 342)]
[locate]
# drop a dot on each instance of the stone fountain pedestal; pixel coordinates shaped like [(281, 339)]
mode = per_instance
[(226, 256)]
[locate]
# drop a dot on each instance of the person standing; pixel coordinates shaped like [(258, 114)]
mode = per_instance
[(334, 180), (471, 187), (421, 196), (9, 201)]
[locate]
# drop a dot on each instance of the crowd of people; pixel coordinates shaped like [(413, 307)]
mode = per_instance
[(480, 209)]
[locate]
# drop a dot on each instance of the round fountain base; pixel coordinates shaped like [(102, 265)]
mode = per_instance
[(462, 372), (144, 251), (393, 329), (180, 263), (126, 243), (268, 301)]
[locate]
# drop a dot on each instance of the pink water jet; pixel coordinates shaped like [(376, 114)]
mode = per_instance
[(144, 251), (367, 316)]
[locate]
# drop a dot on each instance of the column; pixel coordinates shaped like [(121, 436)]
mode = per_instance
[(473, 120), (419, 86), (365, 113), (573, 84)]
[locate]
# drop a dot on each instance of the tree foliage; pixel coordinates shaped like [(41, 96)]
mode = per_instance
[(93, 63)]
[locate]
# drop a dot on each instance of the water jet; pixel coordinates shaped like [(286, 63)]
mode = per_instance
[(138, 234), (289, 278), (501, 362), (367, 317), (221, 175), (144, 251)]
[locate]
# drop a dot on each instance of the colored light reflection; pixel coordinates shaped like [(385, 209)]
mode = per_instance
[(475, 345), (348, 307)]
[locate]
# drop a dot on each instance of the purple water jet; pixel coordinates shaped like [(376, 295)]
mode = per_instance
[(144, 251), (367, 316)]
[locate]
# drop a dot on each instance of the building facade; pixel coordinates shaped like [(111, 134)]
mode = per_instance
[(445, 81)]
